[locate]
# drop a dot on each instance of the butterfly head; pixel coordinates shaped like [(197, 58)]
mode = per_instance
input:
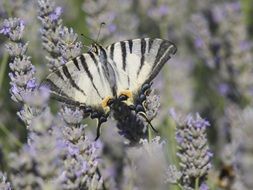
[(96, 48), (122, 102)]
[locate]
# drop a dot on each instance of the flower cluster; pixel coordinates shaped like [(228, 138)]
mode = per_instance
[(221, 41), (4, 184), (237, 153), (23, 83), (149, 161), (59, 41), (22, 76), (193, 150), (212, 73), (55, 157), (81, 163)]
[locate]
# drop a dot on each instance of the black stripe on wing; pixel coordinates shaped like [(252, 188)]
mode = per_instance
[(166, 49), (57, 93), (123, 54), (86, 69), (130, 43), (71, 80), (112, 51), (58, 73), (96, 63), (143, 50), (76, 63), (150, 43)]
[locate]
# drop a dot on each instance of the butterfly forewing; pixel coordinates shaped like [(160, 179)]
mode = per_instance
[(80, 81), (140, 59)]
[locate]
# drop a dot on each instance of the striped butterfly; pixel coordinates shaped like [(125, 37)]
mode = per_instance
[(115, 78)]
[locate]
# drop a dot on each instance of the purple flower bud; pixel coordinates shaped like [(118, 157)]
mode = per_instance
[(179, 139), (223, 89), (163, 10), (203, 186), (14, 89), (194, 153), (5, 30), (31, 84), (73, 150), (55, 14), (200, 122), (199, 42)]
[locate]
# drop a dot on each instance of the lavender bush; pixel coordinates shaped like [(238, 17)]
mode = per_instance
[(49, 145)]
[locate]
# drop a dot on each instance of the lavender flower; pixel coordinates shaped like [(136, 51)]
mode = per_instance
[(172, 175), (58, 40), (225, 48), (81, 165), (39, 165), (4, 184), (149, 162), (48, 159), (240, 146), (193, 150), (203, 186), (72, 116), (152, 105), (56, 157), (23, 83), (13, 28)]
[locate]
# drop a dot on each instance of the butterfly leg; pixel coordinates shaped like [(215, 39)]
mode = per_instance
[(88, 111), (101, 119)]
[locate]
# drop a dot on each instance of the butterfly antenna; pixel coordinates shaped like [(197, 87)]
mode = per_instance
[(148, 121), (100, 27), (88, 38)]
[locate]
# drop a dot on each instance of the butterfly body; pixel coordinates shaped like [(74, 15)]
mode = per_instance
[(114, 78)]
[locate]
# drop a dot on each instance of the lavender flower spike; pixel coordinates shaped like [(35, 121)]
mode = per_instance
[(193, 150), (59, 41), (22, 75), (13, 28), (61, 44), (4, 184)]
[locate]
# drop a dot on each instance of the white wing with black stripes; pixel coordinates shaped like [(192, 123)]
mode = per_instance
[(138, 61), (82, 81), (101, 75)]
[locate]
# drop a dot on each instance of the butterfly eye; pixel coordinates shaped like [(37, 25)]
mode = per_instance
[(123, 97), (110, 102)]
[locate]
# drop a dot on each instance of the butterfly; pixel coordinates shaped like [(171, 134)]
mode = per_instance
[(112, 79)]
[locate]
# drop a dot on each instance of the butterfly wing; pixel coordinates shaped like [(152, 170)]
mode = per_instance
[(138, 61), (81, 81)]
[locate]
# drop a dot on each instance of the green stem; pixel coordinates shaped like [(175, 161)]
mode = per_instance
[(149, 134), (197, 183), (3, 69), (9, 134), (180, 186)]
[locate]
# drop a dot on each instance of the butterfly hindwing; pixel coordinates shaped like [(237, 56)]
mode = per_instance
[(140, 59), (80, 81)]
